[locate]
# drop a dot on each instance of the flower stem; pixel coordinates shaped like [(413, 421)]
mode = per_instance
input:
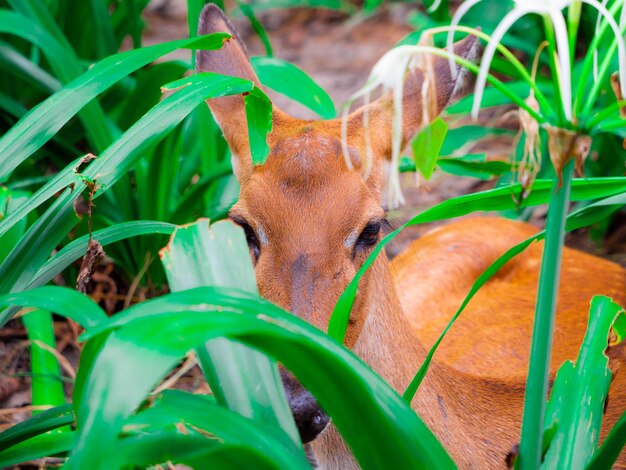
[(541, 348)]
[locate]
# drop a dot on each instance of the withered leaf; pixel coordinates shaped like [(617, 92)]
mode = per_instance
[(92, 258)]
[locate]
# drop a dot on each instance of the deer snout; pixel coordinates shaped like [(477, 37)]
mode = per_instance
[(309, 417)]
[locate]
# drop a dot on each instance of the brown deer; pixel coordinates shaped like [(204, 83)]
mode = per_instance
[(311, 222)]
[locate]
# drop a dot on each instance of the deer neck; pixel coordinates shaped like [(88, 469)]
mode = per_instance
[(388, 345), (386, 336)]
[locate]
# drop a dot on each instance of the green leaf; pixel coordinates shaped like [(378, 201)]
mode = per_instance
[(77, 248), (70, 303), (247, 10), (43, 445), (259, 114), (36, 245), (175, 323), (579, 392), (281, 76), (45, 119), (242, 379), (251, 443), (27, 70), (125, 152), (10, 201), (461, 137), (610, 449), (474, 166), (45, 421), (64, 178), (427, 145)]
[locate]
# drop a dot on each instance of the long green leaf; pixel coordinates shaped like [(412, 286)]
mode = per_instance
[(282, 77), (38, 242), (43, 445), (64, 178), (242, 379), (259, 116), (247, 10), (531, 443), (10, 202), (45, 421), (426, 146), (43, 121), (579, 392), (27, 70), (610, 449), (46, 381), (124, 153), (177, 322), (77, 248)]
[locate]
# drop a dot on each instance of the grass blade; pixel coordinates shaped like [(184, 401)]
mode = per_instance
[(45, 421), (581, 218), (44, 445), (44, 120), (77, 248)]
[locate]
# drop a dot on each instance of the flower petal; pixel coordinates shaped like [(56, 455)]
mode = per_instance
[(461, 11), (508, 20)]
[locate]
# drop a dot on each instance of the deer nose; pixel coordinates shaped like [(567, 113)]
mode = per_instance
[(309, 417)]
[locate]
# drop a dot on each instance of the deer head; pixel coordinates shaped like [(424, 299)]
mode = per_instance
[(309, 219)]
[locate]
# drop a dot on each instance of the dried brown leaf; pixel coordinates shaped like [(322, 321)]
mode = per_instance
[(565, 145), (92, 258)]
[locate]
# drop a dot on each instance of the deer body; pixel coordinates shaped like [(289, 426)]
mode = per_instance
[(472, 396), (311, 218)]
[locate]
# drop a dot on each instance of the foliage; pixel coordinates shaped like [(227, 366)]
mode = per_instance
[(88, 131)]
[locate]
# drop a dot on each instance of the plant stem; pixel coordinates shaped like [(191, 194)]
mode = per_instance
[(47, 386), (541, 348)]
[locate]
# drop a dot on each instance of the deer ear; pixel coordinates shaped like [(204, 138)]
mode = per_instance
[(427, 92), (229, 111)]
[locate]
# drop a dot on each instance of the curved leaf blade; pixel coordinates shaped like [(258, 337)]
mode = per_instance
[(291, 81)]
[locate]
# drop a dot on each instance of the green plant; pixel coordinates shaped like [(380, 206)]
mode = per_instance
[(139, 189)]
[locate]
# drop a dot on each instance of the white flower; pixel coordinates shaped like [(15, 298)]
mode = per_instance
[(551, 9), (389, 74)]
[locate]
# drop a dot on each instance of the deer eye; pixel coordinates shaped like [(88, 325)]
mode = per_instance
[(369, 236), (251, 238)]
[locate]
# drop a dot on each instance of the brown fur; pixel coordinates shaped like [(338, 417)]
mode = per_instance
[(304, 205)]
